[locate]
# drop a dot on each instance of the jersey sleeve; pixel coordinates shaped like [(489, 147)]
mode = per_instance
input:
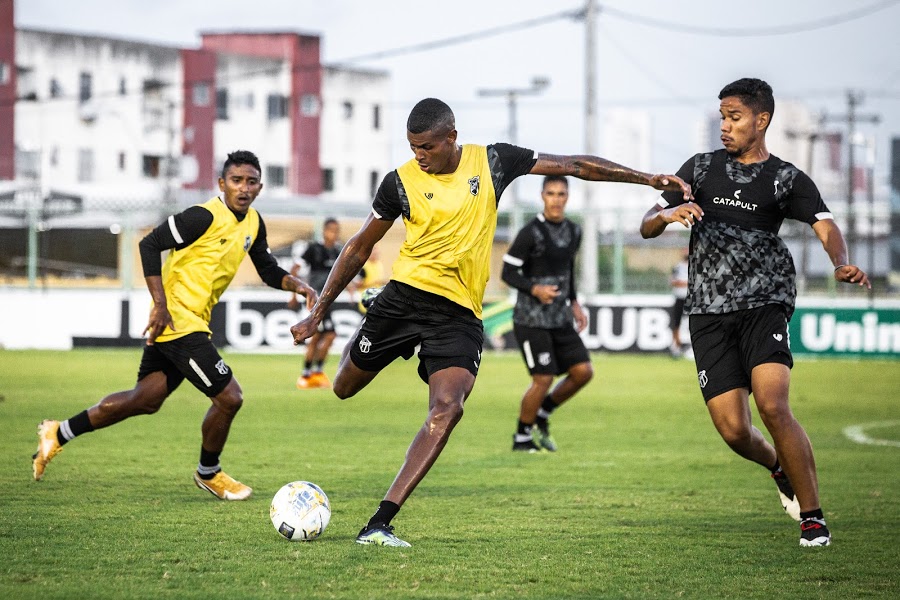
[(178, 231), (508, 162), (386, 205), (514, 260), (686, 172), (806, 202), (262, 258)]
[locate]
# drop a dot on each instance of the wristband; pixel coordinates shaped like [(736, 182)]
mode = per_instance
[(840, 267)]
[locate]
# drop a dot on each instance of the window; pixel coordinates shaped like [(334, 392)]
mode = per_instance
[(151, 165), (327, 180), (276, 176), (85, 165), (55, 88), (348, 110), (373, 183), (84, 87), (349, 176), (121, 161), (4, 73), (376, 117), (222, 104), (309, 105), (123, 86), (277, 106), (201, 94)]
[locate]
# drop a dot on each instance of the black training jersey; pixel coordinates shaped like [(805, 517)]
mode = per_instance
[(320, 259), (543, 253), (737, 260)]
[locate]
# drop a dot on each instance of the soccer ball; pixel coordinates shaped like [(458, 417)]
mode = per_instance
[(300, 511)]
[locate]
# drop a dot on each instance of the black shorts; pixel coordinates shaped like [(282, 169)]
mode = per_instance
[(403, 317), (550, 351), (677, 312), (728, 346), (192, 356)]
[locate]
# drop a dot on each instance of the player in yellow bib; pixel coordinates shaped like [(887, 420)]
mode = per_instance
[(447, 195), (206, 244)]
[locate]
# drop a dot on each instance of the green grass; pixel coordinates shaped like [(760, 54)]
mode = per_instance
[(643, 500)]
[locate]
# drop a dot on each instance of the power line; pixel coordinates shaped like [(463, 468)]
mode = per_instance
[(750, 31)]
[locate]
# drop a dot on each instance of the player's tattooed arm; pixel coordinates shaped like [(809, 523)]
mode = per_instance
[(594, 168)]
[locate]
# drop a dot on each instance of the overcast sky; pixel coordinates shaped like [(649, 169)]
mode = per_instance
[(674, 71)]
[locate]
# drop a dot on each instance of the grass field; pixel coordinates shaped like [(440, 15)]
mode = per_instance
[(643, 499)]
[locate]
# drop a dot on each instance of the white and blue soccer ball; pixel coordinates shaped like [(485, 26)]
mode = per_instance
[(300, 511)]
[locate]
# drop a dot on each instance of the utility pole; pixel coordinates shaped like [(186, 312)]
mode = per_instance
[(589, 276), (854, 99), (538, 84)]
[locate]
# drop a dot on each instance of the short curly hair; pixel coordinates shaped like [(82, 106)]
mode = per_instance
[(756, 94), (241, 157)]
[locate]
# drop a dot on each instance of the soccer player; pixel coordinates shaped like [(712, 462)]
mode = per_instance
[(319, 257), (447, 195), (206, 244), (741, 290), (540, 264), (679, 283)]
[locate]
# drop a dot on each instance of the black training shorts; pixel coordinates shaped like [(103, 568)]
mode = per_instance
[(192, 356), (729, 345), (550, 351), (403, 317)]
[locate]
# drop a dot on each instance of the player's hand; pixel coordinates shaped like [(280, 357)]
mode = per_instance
[(852, 274), (545, 293), (304, 330), (159, 320), (686, 214), (672, 183), (581, 319)]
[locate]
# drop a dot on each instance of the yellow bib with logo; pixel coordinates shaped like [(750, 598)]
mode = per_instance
[(195, 277), (450, 230)]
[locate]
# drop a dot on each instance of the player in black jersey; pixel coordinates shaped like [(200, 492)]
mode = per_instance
[(447, 197), (741, 290), (319, 258), (540, 264)]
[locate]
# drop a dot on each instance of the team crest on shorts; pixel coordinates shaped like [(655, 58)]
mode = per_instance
[(474, 185), (222, 368), (365, 345), (544, 358), (702, 378)]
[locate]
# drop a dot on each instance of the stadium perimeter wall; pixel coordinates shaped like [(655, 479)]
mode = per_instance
[(259, 321)]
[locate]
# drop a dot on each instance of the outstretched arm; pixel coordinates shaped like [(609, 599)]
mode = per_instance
[(833, 241), (353, 256), (594, 168)]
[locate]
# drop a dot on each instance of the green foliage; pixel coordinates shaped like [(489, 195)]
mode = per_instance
[(643, 500)]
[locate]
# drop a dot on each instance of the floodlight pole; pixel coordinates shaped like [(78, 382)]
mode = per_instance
[(538, 84), (589, 275)]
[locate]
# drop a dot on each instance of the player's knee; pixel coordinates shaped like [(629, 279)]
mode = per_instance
[(582, 374), (342, 389), (230, 401), (735, 435), (775, 415), (446, 412)]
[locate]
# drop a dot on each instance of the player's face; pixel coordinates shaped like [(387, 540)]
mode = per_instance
[(435, 150), (555, 195), (330, 233), (240, 186), (741, 128)]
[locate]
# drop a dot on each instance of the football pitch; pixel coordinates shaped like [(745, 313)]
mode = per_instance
[(643, 500)]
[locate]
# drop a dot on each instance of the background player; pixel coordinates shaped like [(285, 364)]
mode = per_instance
[(540, 264), (318, 257), (741, 290), (447, 195), (679, 283), (207, 243)]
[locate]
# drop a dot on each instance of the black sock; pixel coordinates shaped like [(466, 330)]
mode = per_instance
[(318, 365), (73, 427), (387, 510), (524, 428), (307, 368), (777, 466), (209, 464), (812, 514)]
